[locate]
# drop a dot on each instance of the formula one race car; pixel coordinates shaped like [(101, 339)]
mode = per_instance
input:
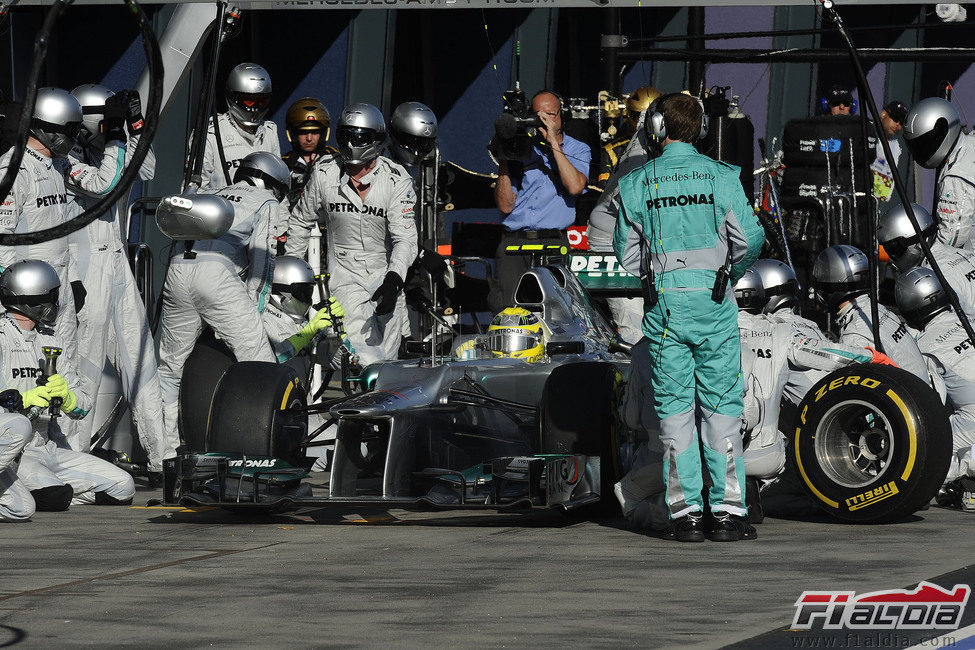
[(479, 432)]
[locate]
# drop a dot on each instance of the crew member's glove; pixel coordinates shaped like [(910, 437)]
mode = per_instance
[(335, 308), (11, 400), (113, 124), (318, 322), (881, 358), (40, 396), (79, 293), (386, 294), (58, 387), (133, 112)]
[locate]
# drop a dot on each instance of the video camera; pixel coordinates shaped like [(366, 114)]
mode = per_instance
[(516, 129)]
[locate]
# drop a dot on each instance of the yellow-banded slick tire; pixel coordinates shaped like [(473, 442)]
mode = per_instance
[(201, 374), (871, 443), (250, 412)]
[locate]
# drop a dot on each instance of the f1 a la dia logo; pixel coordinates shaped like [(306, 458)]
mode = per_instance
[(926, 607)]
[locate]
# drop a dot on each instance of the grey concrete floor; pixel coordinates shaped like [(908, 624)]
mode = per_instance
[(163, 577)]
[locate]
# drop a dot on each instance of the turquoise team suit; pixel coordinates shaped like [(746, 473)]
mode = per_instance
[(679, 215)]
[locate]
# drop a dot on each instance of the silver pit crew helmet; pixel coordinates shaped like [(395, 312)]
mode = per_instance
[(248, 94), (361, 133), (56, 120), (931, 130), (292, 286), (31, 288), (779, 285), (920, 297), (413, 132), (841, 273), (92, 99), (749, 293), (264, 169), (899, 243)]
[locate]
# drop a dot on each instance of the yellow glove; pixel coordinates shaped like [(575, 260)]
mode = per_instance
[(58, 386), (335, 308), (69, 402), (318, 322), (40, 396)]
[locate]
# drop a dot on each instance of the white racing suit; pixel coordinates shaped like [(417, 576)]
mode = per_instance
[(958, 266), (47, 462), (16, 503), (113, 323), (853, 325), (956, 195), (366, 240), (627, 312), (776, 350), (208, 289), (38, 200), (237, 144), (950, 354)]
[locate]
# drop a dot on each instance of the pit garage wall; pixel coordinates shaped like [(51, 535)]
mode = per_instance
[(449, 61)]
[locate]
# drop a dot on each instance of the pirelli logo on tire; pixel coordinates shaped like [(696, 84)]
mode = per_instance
[(871, 497)]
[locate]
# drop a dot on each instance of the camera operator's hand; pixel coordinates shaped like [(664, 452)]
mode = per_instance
[(550, 130)]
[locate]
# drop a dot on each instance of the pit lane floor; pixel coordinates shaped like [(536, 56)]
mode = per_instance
[(158, 577)]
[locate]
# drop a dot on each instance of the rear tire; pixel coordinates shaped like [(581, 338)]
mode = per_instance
[(871, 444), (579, 414), (248, 415), (201, 374)]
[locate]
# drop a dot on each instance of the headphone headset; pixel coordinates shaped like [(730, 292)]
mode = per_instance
[(656, 126), (824, 105), (562, 109)]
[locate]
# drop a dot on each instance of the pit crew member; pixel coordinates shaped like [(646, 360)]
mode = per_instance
[(308, 126)]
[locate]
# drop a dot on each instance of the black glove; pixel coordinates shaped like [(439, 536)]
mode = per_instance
[(433, 262), (385, 295), (11, 400), (113, 124), (133, 112), (80, 293)]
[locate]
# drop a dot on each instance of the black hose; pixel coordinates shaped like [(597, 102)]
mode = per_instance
[(154, 59), (198, 146), (867, 96), (30, 97)]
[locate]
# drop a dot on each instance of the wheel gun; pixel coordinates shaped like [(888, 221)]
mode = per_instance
[(51, 355)]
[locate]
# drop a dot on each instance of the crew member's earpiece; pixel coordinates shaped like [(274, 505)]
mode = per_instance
[(656, 127)]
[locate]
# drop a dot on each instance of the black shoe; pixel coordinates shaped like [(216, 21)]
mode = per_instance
[(731, 528), (689, 528), (753, 501)]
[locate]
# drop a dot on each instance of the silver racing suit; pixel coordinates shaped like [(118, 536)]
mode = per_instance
[(38, 200), (951, 355), (16, 503), (113, 323), (776, 349), (47, 462), (237, 143), (956, 195), (208, 289), (853, 325), (958, 266), (366, 240)]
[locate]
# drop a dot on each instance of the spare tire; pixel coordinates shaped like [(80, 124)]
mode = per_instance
[(579, 414), (871, 444), (251, 412)]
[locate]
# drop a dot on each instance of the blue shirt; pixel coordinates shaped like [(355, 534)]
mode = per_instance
[(539, 202)]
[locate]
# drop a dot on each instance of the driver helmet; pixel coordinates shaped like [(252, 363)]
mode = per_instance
[(292, 286), (361, 133), (92, 98), (248, 94), (920, 297), (413, 129), (638, 101), (56, 120), (264, 169), (31, 288), (780, 287), (749, 293), (516, 333), (931, 129), (899, 243), (841, 273), (308, 114)]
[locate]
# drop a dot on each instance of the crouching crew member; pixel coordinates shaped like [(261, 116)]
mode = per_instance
[(54, 475), (686, 228)]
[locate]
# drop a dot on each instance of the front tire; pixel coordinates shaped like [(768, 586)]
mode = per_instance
[(871, 444)]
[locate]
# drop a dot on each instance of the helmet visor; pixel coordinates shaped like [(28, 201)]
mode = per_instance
[(355, 136), (924, 146), (511, 341)]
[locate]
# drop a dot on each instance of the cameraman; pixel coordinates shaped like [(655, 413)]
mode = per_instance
[(538, 196)]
